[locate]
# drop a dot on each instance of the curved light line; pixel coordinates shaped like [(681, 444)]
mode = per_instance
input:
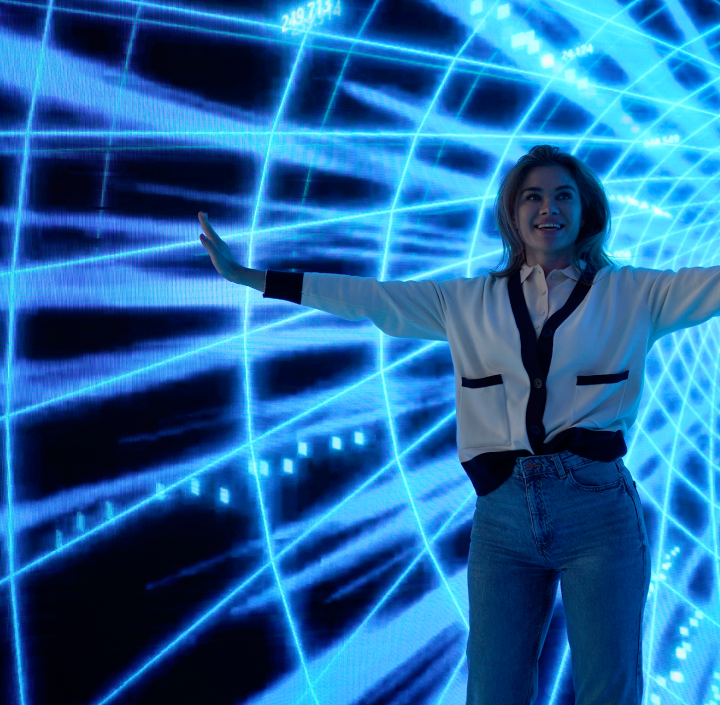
[(452, 678), (164, 651), (194, 15), (248, 391), (111, 131), (195, 351), (241, 235), (9, 360), (550, 80), (331, 102), (669, 465), (394, 586), (148, 501), (381, 341)]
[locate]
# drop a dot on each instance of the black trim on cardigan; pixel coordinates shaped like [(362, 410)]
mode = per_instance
[(537, 352), (283, 285), (482, 382), (488, 471), (602, 379)]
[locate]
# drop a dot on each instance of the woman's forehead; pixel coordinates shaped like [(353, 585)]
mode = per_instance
[(548, 177)]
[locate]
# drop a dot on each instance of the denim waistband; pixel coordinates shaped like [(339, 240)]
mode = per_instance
[(554, 464)]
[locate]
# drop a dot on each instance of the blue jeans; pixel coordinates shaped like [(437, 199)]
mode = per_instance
[(558, 518)]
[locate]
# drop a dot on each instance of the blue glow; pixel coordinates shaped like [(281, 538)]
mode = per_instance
[(232, 473)]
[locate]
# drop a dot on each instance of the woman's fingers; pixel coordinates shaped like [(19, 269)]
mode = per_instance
[(213, 237), (208, 229), (220, 254)]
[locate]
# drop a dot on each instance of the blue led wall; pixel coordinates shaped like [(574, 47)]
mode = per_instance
[(209, 497)]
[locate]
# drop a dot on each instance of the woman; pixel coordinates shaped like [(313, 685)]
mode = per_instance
[(549, 357)]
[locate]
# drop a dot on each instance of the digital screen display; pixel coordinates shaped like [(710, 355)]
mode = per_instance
[(212, 497)]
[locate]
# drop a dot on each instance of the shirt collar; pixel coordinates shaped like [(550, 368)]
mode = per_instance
[(569, 271)]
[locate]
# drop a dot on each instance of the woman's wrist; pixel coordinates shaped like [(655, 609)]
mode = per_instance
[(254, 278)]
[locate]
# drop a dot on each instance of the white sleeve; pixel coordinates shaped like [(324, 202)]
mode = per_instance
[(682, 299), (401, 309)]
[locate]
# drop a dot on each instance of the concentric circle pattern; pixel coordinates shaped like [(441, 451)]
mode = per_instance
[(211, 497)]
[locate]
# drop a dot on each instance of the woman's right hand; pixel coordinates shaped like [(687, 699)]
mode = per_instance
[(223, 260)]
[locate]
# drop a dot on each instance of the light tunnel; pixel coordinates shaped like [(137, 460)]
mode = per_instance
[(211, 497)]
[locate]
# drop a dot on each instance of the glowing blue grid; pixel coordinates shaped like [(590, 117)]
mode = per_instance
[(347, 490)]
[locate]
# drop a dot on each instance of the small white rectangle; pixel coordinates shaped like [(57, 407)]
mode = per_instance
[(518, 40), (224, 495), (303, 449), (336, 443), (359, 438), (582, 84), (547, 61), (503, 11), (533, 46), (288, 466), (677, 677), (195, 486), (476, 7), (264, 467)]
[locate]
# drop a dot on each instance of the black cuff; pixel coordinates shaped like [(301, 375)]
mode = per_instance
[(283, 285)]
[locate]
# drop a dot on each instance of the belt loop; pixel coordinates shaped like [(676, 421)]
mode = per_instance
[(559, 464)]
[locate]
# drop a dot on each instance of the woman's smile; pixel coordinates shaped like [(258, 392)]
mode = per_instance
[(548, 216)]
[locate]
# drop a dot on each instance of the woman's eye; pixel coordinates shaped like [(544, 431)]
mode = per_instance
[(533, 196)]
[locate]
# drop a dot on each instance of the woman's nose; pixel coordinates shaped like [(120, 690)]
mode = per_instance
[(549, 207)]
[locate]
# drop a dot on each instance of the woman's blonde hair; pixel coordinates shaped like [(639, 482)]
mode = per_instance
[(593, 234)]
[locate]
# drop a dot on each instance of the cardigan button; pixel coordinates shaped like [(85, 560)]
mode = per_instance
[(534, 430), (538, 383), (547, 332)]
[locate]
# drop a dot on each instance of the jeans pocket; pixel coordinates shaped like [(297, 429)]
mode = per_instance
[(596, 476)]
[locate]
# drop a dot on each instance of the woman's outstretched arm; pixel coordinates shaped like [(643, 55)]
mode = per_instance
[(223, 260), (403, 309)]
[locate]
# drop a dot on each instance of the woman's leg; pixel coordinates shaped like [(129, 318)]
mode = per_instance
[(512, 598), (604, 590)]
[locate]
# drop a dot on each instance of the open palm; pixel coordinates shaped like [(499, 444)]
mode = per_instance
[(223, 260)]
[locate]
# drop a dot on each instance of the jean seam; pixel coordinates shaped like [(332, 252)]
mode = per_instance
[(638, 663), (536, 649)]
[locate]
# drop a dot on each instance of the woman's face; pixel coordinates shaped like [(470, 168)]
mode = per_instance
[(549, 196)]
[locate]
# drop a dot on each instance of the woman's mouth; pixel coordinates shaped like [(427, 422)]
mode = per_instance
[(546, 228)]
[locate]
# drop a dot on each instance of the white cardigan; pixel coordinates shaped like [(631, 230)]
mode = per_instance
[(596, 355)]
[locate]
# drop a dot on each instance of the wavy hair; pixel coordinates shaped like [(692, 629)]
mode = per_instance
[(593, 235)]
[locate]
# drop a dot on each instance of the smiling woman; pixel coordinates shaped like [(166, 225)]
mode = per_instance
[(548, 217), (549, 357), (550, 186)]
